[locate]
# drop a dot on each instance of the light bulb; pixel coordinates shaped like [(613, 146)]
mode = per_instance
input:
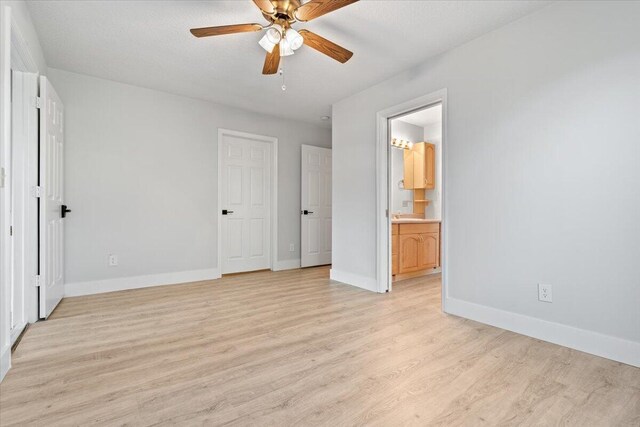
[(274, 34), (294, 38), (266, 43), (285, 48)]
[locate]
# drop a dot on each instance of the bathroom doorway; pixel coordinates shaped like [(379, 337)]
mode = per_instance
[(411, 194)]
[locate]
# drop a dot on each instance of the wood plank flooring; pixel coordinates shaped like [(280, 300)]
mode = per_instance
[(293, 348)]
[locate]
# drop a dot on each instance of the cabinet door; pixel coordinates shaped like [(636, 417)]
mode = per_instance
[(429, 253), (419, 180), (429, 166), (408, 168), (409, 253), (394, 254)]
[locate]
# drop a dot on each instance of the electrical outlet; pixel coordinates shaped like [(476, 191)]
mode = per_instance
[(113, 260), (292, 247), (545, 293)]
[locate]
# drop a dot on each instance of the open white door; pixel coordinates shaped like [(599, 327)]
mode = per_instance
[(51, 208), (315, 246), (245, 198)]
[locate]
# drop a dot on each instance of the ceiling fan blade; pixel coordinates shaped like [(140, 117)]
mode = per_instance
[(225, 29), (272, 61), (325, 46), (316, 8), (265, 6)]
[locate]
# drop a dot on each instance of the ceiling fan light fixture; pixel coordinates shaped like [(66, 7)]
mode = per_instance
[(285, 47), (294, 38), (274, 34), (266, 44)]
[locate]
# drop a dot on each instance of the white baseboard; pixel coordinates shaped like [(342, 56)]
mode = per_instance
[(135, 282), (289, 264), (606, 346), (5, 361), (368, 283)]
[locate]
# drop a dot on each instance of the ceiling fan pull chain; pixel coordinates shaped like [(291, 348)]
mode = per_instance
[(284, 87)]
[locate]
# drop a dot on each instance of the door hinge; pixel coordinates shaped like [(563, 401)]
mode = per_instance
[(37, 191), (11, 230), (38, 102), (37, 280)]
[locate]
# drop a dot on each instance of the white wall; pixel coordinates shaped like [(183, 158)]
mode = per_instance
[(541, 178), (141, 178), (407, 132), (12, 14)]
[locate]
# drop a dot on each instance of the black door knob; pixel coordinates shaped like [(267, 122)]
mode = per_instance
[(226, 212), (306, 212), (64, 210)]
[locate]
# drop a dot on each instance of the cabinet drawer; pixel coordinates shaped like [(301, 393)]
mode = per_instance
[(433, 227)]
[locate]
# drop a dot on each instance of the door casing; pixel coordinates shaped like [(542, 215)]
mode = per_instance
[(274, 190), (383, 188)]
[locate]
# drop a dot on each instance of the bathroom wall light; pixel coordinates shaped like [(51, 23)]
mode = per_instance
[(400, 143)]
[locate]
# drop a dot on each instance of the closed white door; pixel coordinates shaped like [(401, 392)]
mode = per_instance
[(51, 230), (245, 204), (315, 211)]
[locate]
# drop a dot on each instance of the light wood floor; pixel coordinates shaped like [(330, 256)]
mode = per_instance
[(293, 348)]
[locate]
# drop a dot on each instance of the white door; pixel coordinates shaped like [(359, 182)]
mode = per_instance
[(315, 246), (245, 203), (51, 230)]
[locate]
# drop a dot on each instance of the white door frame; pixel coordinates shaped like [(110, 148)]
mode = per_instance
[(15, 52), (274, 191), (383, 189)]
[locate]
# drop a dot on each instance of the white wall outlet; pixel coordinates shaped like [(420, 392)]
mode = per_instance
[(292, 247), (113, 260), (545, 293)]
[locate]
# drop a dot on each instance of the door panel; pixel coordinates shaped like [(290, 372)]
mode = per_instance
[(51, 227), (246, 196), (409, 253), (429, 250), (315, 234)]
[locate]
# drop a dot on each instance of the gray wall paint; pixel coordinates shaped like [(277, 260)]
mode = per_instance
[(141, 177), (542, 174), (406, 132)]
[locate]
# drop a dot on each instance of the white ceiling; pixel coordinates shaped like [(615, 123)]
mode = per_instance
[(147, 43), (424, 118)]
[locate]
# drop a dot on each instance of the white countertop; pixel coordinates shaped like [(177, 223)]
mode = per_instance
[(413, 221)]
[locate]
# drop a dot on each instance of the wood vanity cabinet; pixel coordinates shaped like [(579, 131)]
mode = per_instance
[(394, 248), (418, 247), (420, 167)]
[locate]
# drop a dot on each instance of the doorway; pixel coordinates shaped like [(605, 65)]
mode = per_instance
[(247, 201), (415, 166), (411, 203)]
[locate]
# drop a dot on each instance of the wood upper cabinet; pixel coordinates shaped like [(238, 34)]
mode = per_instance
[(420, 166)]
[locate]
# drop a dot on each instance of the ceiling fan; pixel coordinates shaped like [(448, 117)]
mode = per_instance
[(280, 38)]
